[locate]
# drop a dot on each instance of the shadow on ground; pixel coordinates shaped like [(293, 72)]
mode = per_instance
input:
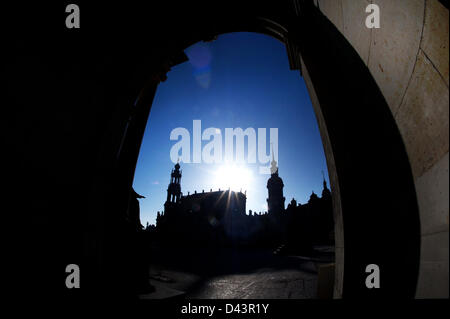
[(233, 273)]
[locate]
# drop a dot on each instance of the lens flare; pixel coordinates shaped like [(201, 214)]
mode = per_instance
[(200, 58)]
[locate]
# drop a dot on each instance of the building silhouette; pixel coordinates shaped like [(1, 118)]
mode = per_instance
[(174, 188), (275, 201), (218, 218)]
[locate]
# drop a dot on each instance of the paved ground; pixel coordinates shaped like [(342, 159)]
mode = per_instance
[(269, 284), (236, 275)]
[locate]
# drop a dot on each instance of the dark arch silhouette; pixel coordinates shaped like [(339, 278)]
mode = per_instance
[(371, 169), (129, 51)]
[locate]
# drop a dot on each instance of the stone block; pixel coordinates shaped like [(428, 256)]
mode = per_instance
[(432, 190), (433, 280), (339, 273), (394, 47), (423, 117), (435, 247), (435, 36)]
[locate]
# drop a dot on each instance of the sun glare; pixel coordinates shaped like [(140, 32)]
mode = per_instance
[(234, 177)]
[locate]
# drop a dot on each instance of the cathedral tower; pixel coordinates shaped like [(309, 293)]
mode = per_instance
[(174, 188), (275, 202), (326, 193)]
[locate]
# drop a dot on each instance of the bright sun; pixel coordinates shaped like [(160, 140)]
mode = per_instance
[(236, 178)]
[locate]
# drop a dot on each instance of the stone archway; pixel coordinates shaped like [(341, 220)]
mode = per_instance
[(374, 194), (380, 96)]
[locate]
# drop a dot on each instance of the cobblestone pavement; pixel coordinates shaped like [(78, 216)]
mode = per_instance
[(270, 284), (238, 275)]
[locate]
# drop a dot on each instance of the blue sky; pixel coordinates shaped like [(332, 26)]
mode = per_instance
[(239, 80)]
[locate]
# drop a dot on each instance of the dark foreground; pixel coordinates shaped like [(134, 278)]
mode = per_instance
[(233, 274)]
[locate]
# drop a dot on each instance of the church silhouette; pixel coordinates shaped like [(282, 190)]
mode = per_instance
[(218, 219)]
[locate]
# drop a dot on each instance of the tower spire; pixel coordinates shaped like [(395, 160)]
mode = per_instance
[(326, 193), (324, 181), (275, 201), (274, 167), (174, 188)]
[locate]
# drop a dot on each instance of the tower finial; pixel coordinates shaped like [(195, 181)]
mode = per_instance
[(324, 181), (274, 167)]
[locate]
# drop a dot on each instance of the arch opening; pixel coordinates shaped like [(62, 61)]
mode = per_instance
[(357, 128), (251, 91)]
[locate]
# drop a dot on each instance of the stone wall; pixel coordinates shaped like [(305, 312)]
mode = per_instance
[(409, 59)]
